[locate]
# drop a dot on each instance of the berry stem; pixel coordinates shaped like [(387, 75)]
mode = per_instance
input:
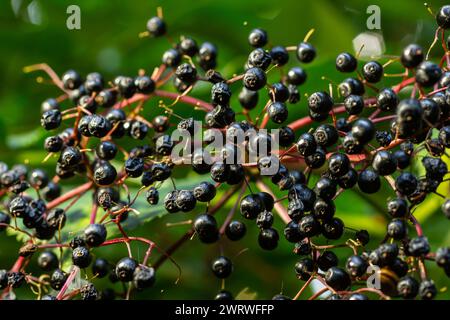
[(70, 278), (279, 208), (69, 195), (233, 210)]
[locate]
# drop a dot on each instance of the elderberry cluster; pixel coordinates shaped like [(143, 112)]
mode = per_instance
[(363, 136)]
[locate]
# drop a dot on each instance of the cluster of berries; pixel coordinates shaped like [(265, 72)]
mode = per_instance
[(377, 139)]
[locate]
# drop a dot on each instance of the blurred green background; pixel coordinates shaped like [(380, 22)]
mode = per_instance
[(35, 31)]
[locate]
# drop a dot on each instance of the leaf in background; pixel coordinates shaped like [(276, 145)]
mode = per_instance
[(246, 294), (25, 140)]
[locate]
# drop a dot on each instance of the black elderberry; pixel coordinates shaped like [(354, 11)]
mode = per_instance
[(125, 269), (205, 226), (443, 17), (104, 173), (71, 79), (412, 56), (257, 38), (100, 268), (333, 229), (327, 260), (408, 287), (320, 102), (235, 230), (188, 46), (354, 104), (356, 266), (304, 268), (95, 234), (254, 79), (57, 279), (156, 26), (144, 277), (47, 261), (222, 267), (81, 257), (277, 112), (369, 181), (144, 84), (387, 100), (51, 119), (268, 239), (337, 278), (351, 86), (372, 71), (428, 73), (259, 58), (171, 58), (279, 55), (305, 52)]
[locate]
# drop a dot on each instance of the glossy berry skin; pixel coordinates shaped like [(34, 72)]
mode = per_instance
[(144, 277), (277, 112), (325, 188), (384, 163), (333, 229), (412, 56), (397, 229), (320, 102), (186, 73), (257, 38), (185, 200), (427, 290), (296, 76), (248, 98), (100, 268), (279, 55), (286, 136), (418, 246), (327, 260), (152, 196), (222, 267), (369, 181), (356, 266), (337, 278), (398, 208), (188, 46), (95, 234), (443, 17), (279, 92), (71, 79), (259, 58), (171, 58), (254, 79), (305, 52), (345, 62), (250, 206), (220, 172), (326, 135), (387, 100), (354, 104), (338, 164), (144, 84), (362, 236), (51, 119), (106, 150), (134, 167), (348, 180), (220, 93), (408, 287), (309, 226), (268, 239), (363, 130), (323, 209), (57, 279), (170, 202), (304, 268), (292, 233), (306, 144), (125, 269), (205, 226), (81, 257), (38, 179), (104, 173), (351, 86), (264, 219), (204, 192), (428, 74), (156, 26), (235, 230), (442, 257), (372, 71), (47, 261), (406, 183), (53, 144)]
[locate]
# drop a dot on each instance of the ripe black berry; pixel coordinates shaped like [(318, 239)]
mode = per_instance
[(100, 268), (57, 279), (443, 17), (296, 76), (320, 102), (304, 268), (106, 150), (205, 226), (406, 183), (305, 52), (412, 56), (81, 257), (372, 71), (280, 55), (47, 261), (333, 229), (254, 79), (387, 99), (156, 26), (428, 73), (144, 277), (257, 38), (222, 267), (268, 239), (369, 181), (408, 287), (51, 119), (95, 234), (337, 278), (125, 269), (356, 266), (277, 112), (327, 260), (345, 62)]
